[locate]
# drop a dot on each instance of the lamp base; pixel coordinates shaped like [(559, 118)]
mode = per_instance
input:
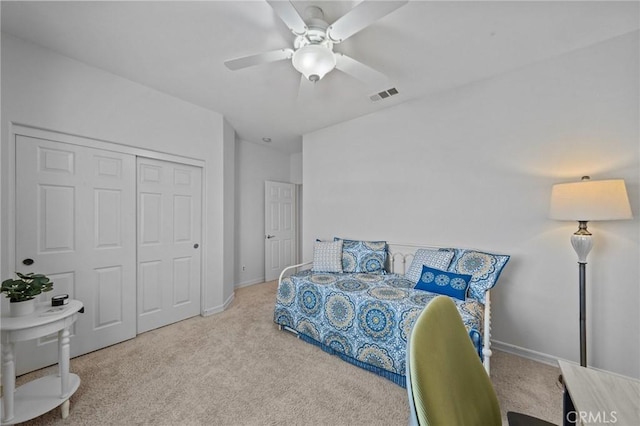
[(581, 242)]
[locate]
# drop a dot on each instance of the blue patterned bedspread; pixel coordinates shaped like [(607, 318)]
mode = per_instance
[(363, 318)]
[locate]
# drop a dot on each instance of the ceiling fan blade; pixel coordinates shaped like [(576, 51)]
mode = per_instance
[(361, 16), (289, 15), (260, 58), (374, 80)]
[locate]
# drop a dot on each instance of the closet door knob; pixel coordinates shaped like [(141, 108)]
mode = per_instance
[(196, 245), (27, 262)]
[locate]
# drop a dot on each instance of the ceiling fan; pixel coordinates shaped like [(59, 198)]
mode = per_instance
[(313, 55)]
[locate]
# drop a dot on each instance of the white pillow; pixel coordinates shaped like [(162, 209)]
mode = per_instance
[(438, 259), (327, 256)]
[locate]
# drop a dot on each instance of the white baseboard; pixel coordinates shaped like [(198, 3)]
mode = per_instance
[(250, 282), (227, 303), (544, 358), (524, 353), (218, 309)]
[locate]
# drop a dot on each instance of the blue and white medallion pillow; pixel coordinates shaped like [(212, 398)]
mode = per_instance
[(444, 282), (327, 256), (485, 269), (363, 256), (438, 259)]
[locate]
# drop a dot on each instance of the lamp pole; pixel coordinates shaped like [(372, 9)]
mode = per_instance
[(582, 243), (583, 315)]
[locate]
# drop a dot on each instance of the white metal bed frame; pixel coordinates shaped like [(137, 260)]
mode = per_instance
[(399, 256)]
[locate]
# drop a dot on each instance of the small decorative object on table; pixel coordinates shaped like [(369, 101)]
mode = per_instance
[(23, 290), (59, 300)]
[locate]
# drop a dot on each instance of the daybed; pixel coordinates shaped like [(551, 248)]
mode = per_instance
[(359, 300)]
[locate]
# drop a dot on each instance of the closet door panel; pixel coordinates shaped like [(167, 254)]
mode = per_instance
[(169, 232), (75, 217)]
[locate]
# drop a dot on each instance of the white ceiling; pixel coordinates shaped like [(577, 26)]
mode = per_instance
[(425, 47)]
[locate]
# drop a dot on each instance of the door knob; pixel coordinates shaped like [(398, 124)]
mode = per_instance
[(195, 246), (270, 236), (27, 262)]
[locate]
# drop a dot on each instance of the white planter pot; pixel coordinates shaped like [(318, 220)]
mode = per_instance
[(18, 309)]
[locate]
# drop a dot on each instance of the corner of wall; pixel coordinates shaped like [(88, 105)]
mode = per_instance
[(229, 177)]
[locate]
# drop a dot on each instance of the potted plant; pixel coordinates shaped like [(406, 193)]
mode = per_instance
[(23, 290)]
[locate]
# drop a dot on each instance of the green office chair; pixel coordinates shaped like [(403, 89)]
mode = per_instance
[(446, 381)]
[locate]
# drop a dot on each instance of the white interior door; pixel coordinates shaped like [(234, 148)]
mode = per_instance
[(75, 219), (280, 228), (169, 232)]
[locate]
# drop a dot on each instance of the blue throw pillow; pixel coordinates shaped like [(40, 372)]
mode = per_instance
[(485, 269), (444, 282), (363, 256)]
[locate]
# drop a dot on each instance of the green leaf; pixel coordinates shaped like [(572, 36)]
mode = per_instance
[(26, 287)]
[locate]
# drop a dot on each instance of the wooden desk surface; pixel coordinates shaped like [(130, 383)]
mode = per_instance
[(600, 397)]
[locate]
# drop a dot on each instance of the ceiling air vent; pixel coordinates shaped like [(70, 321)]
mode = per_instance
[(384, 94)]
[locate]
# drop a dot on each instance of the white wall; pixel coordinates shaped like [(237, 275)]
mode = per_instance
[(296, 177), (474, 166), (296, 168), (43, 89), (255, 165)]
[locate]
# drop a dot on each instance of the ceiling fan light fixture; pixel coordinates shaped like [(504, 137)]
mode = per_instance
[(314, 61)]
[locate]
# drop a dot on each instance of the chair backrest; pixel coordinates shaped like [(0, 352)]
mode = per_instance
[(446, 382)]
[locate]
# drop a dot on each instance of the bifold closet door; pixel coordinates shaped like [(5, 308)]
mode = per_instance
[(75, 222), (169, 232)]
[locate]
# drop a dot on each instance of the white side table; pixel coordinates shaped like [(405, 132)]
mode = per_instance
[(42, 395), (595, 397)]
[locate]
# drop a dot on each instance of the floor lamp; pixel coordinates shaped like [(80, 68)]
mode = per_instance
[(584, 201)]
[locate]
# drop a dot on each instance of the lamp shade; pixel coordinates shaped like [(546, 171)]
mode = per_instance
[(590, 200), (314, 61)]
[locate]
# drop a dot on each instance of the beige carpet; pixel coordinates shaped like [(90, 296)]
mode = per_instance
[(237, 368)]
